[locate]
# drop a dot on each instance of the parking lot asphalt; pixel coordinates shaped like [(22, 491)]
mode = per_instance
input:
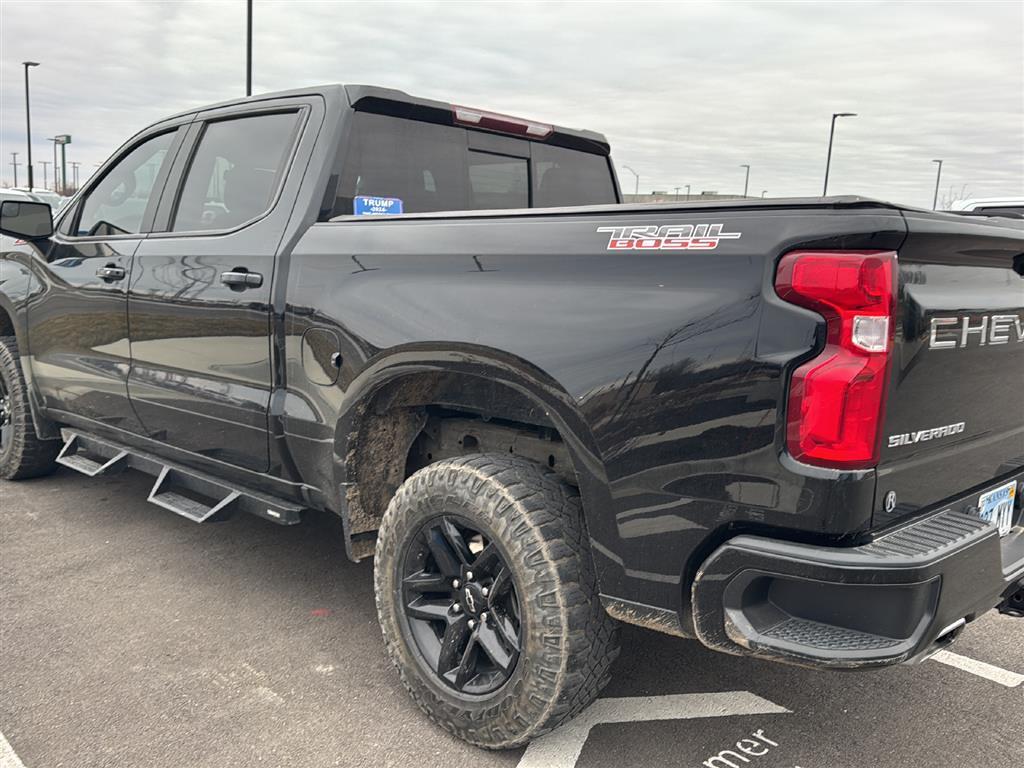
[(132, 637)]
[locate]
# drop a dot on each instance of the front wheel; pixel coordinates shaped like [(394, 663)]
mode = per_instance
[(22, 452), (488, 601)]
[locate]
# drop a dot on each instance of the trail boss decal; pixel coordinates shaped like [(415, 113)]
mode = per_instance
[(909, 438), (671, 237)]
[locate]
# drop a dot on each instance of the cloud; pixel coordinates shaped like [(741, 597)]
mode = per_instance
[(684, 92)]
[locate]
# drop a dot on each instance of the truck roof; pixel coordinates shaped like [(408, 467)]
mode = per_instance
[(390, 101)]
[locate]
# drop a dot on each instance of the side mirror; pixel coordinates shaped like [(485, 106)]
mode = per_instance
[(26, 220)]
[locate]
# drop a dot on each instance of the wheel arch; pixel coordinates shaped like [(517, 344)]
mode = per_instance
[(13, 323), (385, 413)]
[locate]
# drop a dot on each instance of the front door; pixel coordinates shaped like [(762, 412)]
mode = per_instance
[(79, 349), (200, 297)]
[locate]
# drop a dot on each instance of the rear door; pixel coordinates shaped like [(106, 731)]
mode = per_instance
[(200, 298), (79, 339), (955, 411)]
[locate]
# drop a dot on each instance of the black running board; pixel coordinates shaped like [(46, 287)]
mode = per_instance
[(186, 492)]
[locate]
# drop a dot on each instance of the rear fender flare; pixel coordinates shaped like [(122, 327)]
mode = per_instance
[(478, 379)]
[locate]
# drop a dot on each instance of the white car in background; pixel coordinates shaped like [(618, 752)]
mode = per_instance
[(1012, 207), (14, 194), (55, 201)]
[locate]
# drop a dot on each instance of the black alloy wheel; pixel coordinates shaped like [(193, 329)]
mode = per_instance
[(5, 416), (487, 598), (461, 605)]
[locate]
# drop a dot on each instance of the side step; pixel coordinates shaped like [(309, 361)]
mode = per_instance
[(74, 455), (186, 492), (171, 491)]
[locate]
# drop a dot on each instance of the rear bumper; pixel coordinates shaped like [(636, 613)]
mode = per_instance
[(896, 599)]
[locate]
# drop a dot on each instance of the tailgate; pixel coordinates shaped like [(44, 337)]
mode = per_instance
[(955, 412)]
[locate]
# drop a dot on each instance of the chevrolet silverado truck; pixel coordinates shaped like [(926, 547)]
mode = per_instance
[(790, 429)]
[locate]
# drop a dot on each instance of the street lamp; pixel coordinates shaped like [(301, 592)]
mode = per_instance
[(636, 190), (677, 193), (28, 120), (831, 135), (14, 165), (746, 183), (938, 175), (687, 191), (764, 192), (248, 48)]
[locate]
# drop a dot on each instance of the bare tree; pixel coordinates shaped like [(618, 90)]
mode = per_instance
[(952, 196)]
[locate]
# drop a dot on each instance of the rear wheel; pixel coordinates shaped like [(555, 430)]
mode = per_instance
[(22, 453), (487, 599)]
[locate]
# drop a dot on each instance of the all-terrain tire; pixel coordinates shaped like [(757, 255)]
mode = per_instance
[(568, 640), (23, 453)]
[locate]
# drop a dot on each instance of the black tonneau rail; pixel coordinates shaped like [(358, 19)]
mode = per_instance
[(793, 203)]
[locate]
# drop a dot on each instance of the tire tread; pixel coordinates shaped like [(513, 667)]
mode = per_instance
[(28, 455), (537, 507)]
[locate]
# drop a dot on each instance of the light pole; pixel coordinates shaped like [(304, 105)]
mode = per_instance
[(248, 48), (14, 165), (764, 192), (45, 164), (831, 135), (677, 193), (636, 190), (746, 183), (938, 176), (28, 120), (687, 191), (54, 140)]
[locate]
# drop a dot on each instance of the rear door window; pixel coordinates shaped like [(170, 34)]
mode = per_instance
[(235, 171)]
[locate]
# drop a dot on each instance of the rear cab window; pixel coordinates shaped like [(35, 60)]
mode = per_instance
[(434, 167)]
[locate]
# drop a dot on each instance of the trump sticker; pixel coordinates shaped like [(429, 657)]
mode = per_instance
[(376, 206)]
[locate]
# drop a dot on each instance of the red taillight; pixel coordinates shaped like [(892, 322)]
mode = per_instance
[(837, 400), (504, 123)]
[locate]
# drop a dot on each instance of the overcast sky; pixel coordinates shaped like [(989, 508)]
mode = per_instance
[(685, 92)]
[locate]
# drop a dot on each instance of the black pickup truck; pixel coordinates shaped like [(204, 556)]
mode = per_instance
[(791, 429)]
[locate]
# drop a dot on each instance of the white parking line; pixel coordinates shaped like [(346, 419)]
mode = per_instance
[(561, 748), (8, 758), (980, 668)]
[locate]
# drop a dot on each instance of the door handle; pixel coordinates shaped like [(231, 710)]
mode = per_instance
[(111, 273), (240, 279)]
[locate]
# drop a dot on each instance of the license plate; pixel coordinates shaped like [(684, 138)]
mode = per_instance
[(996, 506)]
